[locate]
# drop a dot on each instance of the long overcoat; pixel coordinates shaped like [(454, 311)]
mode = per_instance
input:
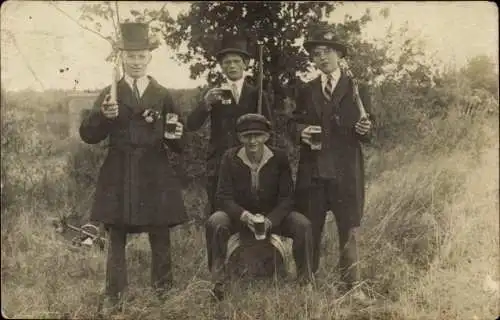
[(137, 186), (345, 142)]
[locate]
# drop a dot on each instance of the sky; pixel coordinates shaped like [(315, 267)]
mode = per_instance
[(38, 40)]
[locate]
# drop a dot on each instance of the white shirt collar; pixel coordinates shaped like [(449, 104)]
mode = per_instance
[(142, 83), (267, 154), (255, 168), (335, 75), (239, 84)]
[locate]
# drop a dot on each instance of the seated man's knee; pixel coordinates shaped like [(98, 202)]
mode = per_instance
[(218, 218)]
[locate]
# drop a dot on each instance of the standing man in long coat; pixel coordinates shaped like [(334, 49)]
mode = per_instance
[(137, 189), (331, 178), (233, 58)]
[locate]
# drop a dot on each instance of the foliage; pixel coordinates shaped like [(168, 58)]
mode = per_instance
[(277, 26), (482, 74)]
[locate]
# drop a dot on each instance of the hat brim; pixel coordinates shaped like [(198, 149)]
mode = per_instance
[(137, 46), (253, 131), (222, 52), (310, 44)]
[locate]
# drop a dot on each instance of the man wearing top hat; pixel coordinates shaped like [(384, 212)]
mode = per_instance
[(331, 171), (223, 107), (137, 189), (256, 179)]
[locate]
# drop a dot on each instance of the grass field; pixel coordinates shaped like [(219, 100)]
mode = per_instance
[(429, 246)]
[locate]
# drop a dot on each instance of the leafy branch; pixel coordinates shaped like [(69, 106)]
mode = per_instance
[(80, 24)]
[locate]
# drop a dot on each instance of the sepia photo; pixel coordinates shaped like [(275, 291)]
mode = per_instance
[(250, 160)]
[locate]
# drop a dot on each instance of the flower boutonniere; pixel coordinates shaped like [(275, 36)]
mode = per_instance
[(151, 115)]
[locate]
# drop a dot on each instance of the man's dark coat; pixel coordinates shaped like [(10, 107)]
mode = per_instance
[(273, 197), (344, 143), (137, 186)]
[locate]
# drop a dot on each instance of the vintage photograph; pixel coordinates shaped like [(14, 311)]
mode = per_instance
[(250, 160)]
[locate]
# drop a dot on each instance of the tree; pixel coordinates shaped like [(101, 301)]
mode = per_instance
[(277, 25)]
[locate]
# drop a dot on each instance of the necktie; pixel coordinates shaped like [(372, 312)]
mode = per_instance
[(235, 92), (136, 91), (329, 87)]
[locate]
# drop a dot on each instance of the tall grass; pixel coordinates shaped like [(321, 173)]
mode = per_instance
[(428, 246)]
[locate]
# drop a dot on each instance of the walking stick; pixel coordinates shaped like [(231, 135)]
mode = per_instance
[(363, 114), (261, 91), (261, 78), (115, 77)]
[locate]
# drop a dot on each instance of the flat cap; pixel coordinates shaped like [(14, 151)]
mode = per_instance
[(252, 122)]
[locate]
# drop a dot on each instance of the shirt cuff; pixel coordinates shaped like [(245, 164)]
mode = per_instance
[(244, 215)]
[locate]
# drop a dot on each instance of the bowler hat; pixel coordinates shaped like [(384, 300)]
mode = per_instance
[(252, 122), (135, 36), (233, 44), (324, 36)]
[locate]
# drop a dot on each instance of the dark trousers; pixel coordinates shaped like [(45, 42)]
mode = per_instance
[(322, 197), (116, 267), (296, 226), (210, 188)]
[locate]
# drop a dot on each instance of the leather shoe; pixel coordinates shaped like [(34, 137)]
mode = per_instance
[(218, 291), (110, 306)]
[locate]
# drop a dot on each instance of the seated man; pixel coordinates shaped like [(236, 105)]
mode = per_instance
[(255, 179)]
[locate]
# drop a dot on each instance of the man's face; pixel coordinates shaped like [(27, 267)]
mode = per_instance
[(325, 58), (254, 141), (233, 65), (136, 62)]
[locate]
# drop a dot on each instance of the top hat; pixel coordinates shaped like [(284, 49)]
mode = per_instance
[(252, 122), (233, 44), (324, 36), (135, 36)]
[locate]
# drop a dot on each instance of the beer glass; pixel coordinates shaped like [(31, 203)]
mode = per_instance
[(316, 138), (259, 225), (226, 95), (171, 120)]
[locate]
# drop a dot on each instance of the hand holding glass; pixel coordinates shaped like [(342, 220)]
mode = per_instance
[(226, 95), (315, 137), (259, 224), (171, 121)]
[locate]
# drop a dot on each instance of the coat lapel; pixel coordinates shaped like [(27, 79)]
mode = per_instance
[(125, 95), (151, 95), (340, 90), (148, 98), (246, 92)]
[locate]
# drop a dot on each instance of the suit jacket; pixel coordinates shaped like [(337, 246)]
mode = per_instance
[(274, 196), (136, 186), (344, 142), (223, 122)]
